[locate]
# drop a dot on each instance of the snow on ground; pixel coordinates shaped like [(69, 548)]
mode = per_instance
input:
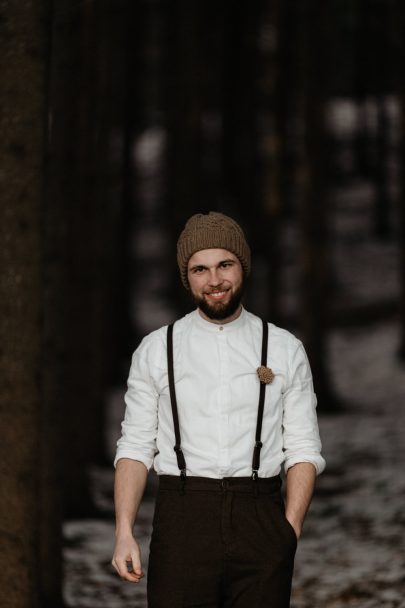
[(90, 581), (352, 552)]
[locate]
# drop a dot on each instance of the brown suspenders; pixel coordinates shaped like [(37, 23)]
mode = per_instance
[(260, 410), (181, 462)]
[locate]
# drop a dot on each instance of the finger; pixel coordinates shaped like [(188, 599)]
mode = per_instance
[(128, 566), (136, 564), (120, 565), (129, 576)]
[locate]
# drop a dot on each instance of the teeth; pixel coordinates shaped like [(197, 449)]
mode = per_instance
[(217, 294)]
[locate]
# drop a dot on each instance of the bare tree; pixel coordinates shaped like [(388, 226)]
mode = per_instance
[(78, 190), (400, 40), (30, 533), (313, 218)]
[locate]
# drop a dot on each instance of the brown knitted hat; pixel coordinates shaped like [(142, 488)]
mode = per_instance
[(211, 231)]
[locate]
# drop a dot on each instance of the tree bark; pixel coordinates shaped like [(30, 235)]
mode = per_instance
[(313, 218), (242, 191), (184, 87), (28, 555), (275, 73), (400, 23), (76, 164)]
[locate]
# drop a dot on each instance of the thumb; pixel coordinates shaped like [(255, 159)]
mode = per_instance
[(136, 562)]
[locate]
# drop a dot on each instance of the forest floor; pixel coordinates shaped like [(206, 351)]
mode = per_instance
[(352, 552)]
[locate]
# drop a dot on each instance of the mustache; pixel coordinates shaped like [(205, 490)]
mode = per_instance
[(218, 290)]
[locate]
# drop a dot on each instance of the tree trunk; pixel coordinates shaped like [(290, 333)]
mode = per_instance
[(314, 261), (240, 154), (77, 149), (30, 550), (400, 24), (184, 86), (241, 162), (274, 81)]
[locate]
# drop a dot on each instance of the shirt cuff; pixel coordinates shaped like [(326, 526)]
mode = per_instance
[(315, 459), (133, 455)]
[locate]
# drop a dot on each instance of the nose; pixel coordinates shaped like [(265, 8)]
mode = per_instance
[(215, 278)]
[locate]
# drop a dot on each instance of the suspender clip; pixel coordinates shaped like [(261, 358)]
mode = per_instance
[(181, 461), (183, 478), (255, 477)]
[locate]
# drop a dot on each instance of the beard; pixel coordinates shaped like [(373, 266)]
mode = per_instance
[(219, 311)]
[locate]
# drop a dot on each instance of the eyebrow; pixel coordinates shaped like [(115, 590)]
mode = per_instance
[(226, 261)]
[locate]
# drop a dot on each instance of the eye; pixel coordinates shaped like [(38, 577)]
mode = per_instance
[(226, 264), (197, 269)]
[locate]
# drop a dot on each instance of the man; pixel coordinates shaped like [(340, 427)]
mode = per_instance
[(217, 404)]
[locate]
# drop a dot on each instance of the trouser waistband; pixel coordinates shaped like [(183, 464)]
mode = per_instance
[(263, 485)]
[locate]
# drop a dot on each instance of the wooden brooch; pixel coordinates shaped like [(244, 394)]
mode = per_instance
[(265, 374)]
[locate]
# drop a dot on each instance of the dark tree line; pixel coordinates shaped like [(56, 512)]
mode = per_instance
[(30, 561), (121, 119)]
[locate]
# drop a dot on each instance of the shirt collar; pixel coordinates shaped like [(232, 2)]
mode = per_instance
[(217, 327)]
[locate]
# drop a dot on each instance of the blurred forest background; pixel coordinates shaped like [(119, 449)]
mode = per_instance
[(120, 119)]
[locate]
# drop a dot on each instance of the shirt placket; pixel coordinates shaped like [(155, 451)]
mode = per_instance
[(223, 406)]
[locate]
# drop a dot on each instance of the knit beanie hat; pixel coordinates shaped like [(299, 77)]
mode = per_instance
[(211, 231)]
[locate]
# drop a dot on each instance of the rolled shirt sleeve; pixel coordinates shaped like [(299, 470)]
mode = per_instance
[(139, 427), (301, 441)]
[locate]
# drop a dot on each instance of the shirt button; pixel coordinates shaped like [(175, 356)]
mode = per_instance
[(221, 328)]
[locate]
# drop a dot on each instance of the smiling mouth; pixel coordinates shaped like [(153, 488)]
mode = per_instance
[(216, 295)]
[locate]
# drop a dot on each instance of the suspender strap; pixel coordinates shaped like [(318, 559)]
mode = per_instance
[(258, 443), (181, 462)]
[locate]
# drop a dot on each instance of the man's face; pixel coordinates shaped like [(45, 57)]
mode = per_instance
[(215, 277)]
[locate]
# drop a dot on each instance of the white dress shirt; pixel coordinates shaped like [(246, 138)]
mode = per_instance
[(217, 390)]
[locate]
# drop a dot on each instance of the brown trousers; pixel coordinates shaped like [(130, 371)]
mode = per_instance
[(220, 543)]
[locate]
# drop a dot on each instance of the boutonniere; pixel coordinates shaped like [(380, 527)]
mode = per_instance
[(265, 374)]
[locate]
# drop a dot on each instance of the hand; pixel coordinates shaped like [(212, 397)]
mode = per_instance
[(127, 559)]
